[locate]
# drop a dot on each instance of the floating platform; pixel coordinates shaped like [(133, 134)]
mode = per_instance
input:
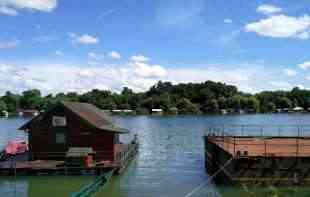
[(264, 159), (22, 165)]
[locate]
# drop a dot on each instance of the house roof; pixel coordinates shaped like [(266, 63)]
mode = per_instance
[(88, 112)]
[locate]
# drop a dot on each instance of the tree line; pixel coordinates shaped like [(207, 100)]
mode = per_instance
[(189, 98)]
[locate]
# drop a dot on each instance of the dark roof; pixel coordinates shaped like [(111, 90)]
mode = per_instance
[(88, 112)]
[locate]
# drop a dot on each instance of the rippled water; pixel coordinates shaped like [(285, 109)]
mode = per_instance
[(170, 162)]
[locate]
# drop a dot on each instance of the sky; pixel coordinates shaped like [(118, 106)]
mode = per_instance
[(77, 45)]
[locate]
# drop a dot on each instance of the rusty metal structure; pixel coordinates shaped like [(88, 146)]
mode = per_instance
[(272, 154)]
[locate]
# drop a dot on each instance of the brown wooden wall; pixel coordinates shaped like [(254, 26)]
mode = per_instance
[(42, 137)]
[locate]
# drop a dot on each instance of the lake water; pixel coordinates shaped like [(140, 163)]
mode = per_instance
[(170, 162)]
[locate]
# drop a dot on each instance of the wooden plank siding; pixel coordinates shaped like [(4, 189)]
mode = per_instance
[(42, 137)]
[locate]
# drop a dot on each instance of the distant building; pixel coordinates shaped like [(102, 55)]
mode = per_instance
[(4, 114), (224, 111), (122, 111), (298, 109), (28, 112), (157, 111)]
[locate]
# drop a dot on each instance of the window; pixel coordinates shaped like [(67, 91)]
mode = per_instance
[(59, 121), (60, 137)]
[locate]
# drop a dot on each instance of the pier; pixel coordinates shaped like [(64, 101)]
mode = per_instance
[(258, 154)]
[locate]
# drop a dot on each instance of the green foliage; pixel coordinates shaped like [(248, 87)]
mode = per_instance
[(3, 106), (185, 106), (207, 97)]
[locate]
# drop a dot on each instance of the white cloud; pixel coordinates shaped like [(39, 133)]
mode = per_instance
[(8, 11), (281, 26), (139, 76), (145, 70), (114, 55), (10, 7), (290, 72), (304, 65), (9, 44), (281, 85), (268, 9), (85, 39), (139, 58), (228, 21)]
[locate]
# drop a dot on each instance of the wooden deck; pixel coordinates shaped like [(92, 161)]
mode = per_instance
[(123, 155), (259, 146)]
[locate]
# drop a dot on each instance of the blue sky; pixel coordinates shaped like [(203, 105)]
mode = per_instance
[(75, 45)]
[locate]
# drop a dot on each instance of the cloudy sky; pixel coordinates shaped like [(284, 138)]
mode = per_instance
[(78, 45)]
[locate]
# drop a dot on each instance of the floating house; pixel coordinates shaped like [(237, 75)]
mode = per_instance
[(73, 125)]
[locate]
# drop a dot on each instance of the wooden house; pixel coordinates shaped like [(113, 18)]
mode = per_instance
[(72, 124)]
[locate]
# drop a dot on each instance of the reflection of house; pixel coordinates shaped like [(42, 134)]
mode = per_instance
[(157, 111), (72, 124)]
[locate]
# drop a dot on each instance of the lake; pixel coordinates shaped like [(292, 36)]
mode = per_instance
[(170, 162)]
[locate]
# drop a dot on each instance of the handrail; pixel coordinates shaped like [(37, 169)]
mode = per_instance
[(302, 130), (93, 187), (130, 151)]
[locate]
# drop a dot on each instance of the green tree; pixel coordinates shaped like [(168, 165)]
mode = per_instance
[(283, 102), (31, 99), (185, 106), (3, 106), (12, 101)]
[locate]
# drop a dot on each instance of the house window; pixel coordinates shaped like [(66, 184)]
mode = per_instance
[(59, 121), (60, 137)]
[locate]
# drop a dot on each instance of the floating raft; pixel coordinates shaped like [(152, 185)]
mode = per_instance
[(20, 164), (262, 159)]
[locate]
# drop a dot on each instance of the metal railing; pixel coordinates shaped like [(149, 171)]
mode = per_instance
[(262, 140), (260, 130), (91, 188), (122, 157)]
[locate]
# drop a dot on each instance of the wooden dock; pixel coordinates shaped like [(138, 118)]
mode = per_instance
[(22, 165), (258, 159)]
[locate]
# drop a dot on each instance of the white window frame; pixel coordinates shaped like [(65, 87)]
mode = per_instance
[(59, 121)]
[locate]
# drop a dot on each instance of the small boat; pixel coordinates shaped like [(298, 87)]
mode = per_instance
[(14, 148)]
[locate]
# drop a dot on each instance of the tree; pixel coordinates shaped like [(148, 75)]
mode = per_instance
[(31, 99), (211, 106), (283, 102), (185, 106), (252, 104), (12, 101), (3, 106)]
